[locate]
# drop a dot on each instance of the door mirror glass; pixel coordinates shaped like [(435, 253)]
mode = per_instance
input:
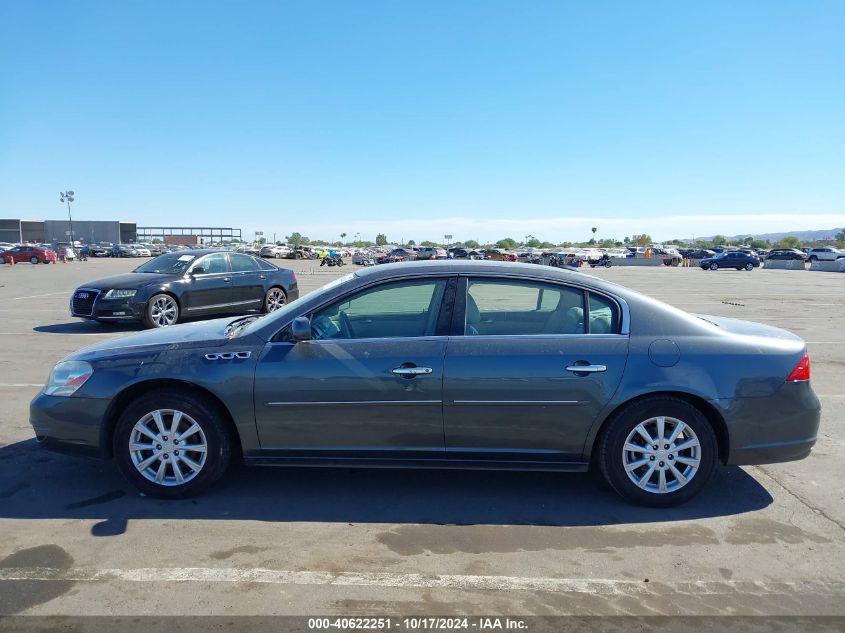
[(197, 270), (300, 329)]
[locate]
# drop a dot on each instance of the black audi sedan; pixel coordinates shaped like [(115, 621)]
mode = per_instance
[(444, 364), (186, 284), (730, 259)]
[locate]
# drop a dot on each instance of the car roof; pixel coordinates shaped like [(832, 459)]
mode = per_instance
[(486, 267)]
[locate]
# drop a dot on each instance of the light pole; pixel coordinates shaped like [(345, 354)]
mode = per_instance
[(67, 196)]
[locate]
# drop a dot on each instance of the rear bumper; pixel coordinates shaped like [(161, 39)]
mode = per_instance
[(779, 428), (69, 424)]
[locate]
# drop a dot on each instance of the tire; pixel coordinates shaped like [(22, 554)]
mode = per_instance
[(714, 266), (749, 267), (198, 468), (277, 256), (812, 259), (162, 310), (700, 458), (33, 260), (274, 299)]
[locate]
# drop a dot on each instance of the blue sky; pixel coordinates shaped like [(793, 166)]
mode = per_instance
[(481, 118)]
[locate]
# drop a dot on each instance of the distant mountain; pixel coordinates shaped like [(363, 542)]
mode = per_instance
[(804, 236)]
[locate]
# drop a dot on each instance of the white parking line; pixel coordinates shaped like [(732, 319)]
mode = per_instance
[(418, 581), (18, 385), (49, 294)]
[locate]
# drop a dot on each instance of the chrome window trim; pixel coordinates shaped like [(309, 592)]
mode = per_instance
[(624, 310)]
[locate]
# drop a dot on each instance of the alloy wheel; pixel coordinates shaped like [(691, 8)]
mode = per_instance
[(275, 299), (661, 455), (168, 447), (164, 311)]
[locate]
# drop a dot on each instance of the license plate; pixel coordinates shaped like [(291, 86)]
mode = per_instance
[(82, 295)]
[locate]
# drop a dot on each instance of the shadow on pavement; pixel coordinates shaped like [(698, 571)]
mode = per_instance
[(37, 484), (89, 327)]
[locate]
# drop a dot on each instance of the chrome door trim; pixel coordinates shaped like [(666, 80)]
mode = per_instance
[(518, 402), (351, 402), (221, 305)]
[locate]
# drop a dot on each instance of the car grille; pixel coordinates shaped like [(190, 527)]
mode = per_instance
[(82, 303)]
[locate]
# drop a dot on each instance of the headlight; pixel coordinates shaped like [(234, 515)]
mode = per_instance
[(67, 377), (115, 293)]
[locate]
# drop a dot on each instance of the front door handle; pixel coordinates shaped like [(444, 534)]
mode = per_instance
[(226, 280), (412, 371), (587, 369)]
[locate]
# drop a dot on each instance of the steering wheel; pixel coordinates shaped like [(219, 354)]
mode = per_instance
[(345, 326)]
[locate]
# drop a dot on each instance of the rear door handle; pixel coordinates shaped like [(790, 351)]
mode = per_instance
[(412, 371), (226, 280), (587, 369)]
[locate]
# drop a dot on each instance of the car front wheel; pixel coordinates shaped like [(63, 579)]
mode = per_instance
[(658, 452), (171, 444), (162, 310), (33, 260), (749, 267), (714, 266)]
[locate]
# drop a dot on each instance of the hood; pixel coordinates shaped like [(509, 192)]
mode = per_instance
[(129, 280), (196, 334)]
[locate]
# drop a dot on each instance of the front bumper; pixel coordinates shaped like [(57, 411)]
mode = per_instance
[(123, 309), (69, 424)]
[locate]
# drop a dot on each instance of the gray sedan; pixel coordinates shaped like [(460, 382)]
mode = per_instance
[(442, 365)]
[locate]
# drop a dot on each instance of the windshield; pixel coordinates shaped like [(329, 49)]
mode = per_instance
[(167, 264)]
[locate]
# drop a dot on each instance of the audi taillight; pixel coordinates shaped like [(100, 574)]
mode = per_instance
[(801, 371)]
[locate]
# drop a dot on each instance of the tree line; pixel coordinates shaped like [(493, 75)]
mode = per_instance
[(509, 243)]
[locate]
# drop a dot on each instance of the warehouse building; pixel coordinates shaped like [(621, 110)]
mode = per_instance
[(189, 235), (85, 231)]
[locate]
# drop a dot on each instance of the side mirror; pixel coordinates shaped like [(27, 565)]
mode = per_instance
[(199, 270), (300, 329)]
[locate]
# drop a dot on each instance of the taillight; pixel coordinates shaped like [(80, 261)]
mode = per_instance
[(801, 371)]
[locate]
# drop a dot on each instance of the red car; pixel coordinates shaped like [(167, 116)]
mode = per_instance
[(32, 254)]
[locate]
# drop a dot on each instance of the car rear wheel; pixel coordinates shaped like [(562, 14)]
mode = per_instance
[(171, 444), (714, 266), (33, 260), (658, 452), (749, 267), (274, 299), (162, 310)]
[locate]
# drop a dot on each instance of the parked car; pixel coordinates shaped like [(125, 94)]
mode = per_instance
[(787, 254), (155, 249), (826, 254), (142, 250), (730, 259), (499, 255), (465, 253), (700, 253), (96, 250), (170, 287), (364, 258), (397, 255), (28, 253), (302, 252), (423, 364), (431, 252), (275, 251), (123, 250)]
